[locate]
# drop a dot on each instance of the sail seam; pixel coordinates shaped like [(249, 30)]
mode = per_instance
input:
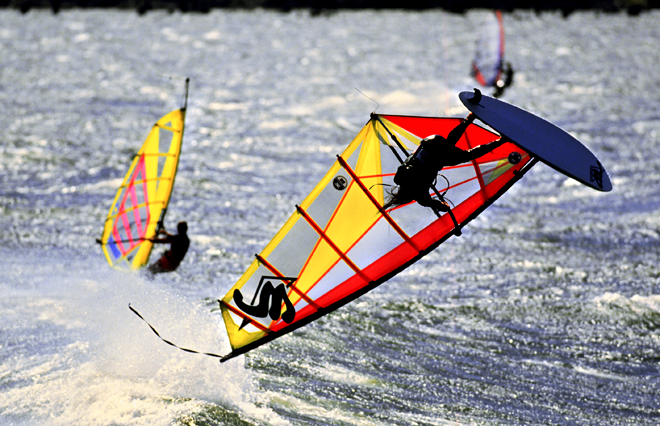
[(126, 185), (158, 154), (375, 202), (136, 212), (332, 245), (139, 206), (171, 129)]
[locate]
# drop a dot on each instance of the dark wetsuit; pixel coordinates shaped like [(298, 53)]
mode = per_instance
[(171, 259), (432, 155)]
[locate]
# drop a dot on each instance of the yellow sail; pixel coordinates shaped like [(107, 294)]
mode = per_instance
[(139, 207), (340, 242)]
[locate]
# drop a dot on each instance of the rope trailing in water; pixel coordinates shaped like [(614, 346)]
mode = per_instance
[(167, 341)]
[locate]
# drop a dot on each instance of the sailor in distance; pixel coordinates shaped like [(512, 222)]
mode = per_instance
[(179, 244)]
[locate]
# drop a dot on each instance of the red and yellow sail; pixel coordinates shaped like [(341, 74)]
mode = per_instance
[(488, 60), (339, 243)]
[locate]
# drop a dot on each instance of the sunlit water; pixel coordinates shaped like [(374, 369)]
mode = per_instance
[(545, 311)]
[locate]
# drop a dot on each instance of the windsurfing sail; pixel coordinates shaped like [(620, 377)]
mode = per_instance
[(340, 243), (488, 63), (139, 207)]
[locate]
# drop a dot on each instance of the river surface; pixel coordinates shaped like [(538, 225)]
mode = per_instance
[(546, 311)]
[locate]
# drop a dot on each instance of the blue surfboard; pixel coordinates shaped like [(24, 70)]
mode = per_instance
[(542, 139)]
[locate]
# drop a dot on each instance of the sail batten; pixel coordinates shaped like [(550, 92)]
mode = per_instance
[(379, 206), (331, 243)]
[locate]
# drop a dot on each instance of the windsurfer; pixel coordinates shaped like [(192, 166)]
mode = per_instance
[(417, 175), (179, 244), (505, 82)]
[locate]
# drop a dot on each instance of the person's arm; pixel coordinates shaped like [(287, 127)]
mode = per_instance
[(480, 150), (458, 131), (166, 240)]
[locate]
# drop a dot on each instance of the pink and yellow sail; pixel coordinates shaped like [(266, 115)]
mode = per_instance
[(140, 204)]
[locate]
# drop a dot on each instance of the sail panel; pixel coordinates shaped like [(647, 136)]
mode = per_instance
[(290, 255), (377, 242)]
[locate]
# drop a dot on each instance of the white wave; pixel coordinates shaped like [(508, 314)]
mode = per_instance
[(89, 360), (637, 303)]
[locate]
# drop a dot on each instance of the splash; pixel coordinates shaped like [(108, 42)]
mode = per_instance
[(72, 352)]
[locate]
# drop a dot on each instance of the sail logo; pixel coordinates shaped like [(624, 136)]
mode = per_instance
[(596, 174), (271, 298)]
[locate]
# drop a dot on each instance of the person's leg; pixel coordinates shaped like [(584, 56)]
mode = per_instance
[(425, 199)]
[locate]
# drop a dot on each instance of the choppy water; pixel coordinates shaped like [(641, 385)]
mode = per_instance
[(546, 310)]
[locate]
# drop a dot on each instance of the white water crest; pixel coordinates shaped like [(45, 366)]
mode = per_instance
[(95, 362)]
